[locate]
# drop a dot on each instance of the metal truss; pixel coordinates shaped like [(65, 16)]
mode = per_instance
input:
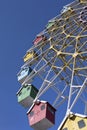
[(62, 58)]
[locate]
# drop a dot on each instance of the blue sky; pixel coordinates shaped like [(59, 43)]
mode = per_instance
[(20, 22)]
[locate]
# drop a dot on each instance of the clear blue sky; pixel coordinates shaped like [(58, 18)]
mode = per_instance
[(20, 22)]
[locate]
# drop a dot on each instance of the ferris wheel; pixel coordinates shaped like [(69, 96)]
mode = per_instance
[(56, 67)]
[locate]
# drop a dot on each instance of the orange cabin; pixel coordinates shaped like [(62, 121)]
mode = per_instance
[(41, 116)]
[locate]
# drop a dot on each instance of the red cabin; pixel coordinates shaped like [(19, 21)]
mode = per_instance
[(39, 39), (41, 116)]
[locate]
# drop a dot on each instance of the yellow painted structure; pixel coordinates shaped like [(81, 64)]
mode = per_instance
[(29, 56), (67, 12), (83, 1), (75, 122)]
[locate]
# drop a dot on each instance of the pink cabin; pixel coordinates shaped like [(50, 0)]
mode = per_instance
[(39, 39), (41, 116)]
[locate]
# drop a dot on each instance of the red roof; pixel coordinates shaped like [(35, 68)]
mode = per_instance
[(38, 101)]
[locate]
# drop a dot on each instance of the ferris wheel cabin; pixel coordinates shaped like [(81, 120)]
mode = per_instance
[(83, 1), (24, 72), (67, 11), (41, 116), (75, 122), (26, 95), (39, 39), (62, 65), (51, 25), (30, 55)]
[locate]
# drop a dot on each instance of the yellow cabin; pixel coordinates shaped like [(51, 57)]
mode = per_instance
[(67, 12), (30, 55), (83, 1), (75, 122)]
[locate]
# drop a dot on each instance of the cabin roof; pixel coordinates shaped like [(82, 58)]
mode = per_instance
[(40, 34), (28, 51), (22, 69), (80, 115), (52, 20), (22, 88), (41, 101)]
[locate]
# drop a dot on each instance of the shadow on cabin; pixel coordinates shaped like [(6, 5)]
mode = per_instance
[(41, 115)]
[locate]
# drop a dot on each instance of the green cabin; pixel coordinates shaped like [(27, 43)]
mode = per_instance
[(74, 121), (51, 25), (26, 95)]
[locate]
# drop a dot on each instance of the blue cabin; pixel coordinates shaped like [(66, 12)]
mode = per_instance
[(24, 72), (65, 9)]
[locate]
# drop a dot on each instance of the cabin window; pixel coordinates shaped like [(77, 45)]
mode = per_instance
[(28, 53), (19, 74), (65, 129), (20, 93), (31, 113), (34, 91), (51, 110), (42, 107), (26, 70), (81, 124), (28, 88)]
